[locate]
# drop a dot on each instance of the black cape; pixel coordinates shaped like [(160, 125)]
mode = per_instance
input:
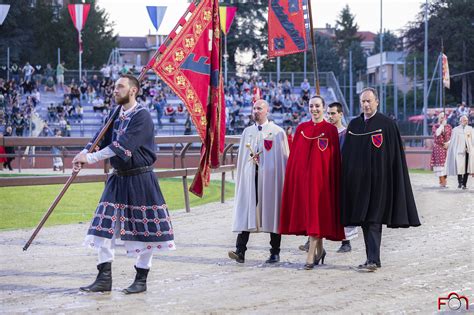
[(375, 182)]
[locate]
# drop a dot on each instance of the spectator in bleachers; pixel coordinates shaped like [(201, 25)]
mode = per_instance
[(181, 110), (98, 104), (83, 89), (106, 72), (235, 110), (295, 118), (124, 69), (91, 94), (35, 97), (277, 104), (75, 93), (247, 98), (79, 113), (95, 82), (159, 103), (228, 99), (28, 71), (52, 113), (15, 72), (115, 70), (60, 74), (49, 72), (28, 86), (240, 124), (305, 90), (188, 125), (287, 104), (104, 115), (62, 125), (49, 85), (57, 160), (287, 119), (19, 124), (8, 150), (170, 112), (46, 131), (68, 129), (287, 88)]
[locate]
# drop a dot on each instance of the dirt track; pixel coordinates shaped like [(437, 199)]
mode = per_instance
[(419, 265)]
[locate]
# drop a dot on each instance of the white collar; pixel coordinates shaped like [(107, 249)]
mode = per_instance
[(262, 125), (128, 111), (367, 118)]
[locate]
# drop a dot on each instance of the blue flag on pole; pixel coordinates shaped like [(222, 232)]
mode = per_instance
[(156, 15)]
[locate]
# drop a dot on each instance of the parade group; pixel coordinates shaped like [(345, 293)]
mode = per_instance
[(325, 184)]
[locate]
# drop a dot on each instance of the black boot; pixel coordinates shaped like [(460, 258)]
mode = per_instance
[(139, 285), (103, 282)]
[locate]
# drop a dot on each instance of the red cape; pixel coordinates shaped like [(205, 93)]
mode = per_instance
[(310, 204)]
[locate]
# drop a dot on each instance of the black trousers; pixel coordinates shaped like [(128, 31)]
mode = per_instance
[(462, 179), (8, 164), (372, 239), (243, 239)]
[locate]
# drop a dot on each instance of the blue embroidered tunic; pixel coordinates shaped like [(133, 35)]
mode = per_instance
[(131, 206)]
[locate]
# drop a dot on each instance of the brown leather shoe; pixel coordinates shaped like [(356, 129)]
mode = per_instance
[(238, 257)]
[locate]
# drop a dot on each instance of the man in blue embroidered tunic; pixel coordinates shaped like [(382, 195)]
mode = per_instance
[(132, 206)]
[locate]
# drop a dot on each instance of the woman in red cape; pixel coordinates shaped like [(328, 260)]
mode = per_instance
[(310, 204)]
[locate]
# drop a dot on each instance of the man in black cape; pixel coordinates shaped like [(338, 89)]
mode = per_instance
[(376, 186)]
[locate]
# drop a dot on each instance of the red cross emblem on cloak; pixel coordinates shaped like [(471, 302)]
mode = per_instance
[(377, 140), (323, 143), (268, 144)]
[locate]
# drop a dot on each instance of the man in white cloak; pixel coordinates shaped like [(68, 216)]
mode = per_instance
[(263, 153), (460, 157)]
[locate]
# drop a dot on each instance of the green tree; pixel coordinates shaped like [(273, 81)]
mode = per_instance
[(248, 32), (17, 31), (348, 40), (450, 25), (35, 32), (346, 31), (390, 42)]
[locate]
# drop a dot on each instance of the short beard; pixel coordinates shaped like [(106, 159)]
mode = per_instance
[(122, 100)]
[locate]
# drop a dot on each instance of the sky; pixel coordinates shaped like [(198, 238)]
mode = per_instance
[(131, 17)]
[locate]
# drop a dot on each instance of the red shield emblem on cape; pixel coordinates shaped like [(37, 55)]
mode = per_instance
[(268, 144), (377, 140), (323, 143)]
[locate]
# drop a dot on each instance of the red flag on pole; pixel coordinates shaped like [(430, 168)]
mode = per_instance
[(190, 66), (79, 14), (446, 78), (286, 27)]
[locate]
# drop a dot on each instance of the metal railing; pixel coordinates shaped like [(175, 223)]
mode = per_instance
[(181, 146)]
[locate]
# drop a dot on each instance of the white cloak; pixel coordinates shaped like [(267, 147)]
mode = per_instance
[(264, 216), (462, 141)]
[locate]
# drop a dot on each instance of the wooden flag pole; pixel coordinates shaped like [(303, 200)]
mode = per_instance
[(313, 50), (70, 180)]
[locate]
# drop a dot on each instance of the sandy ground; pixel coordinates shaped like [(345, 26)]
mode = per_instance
[(419, 265)]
